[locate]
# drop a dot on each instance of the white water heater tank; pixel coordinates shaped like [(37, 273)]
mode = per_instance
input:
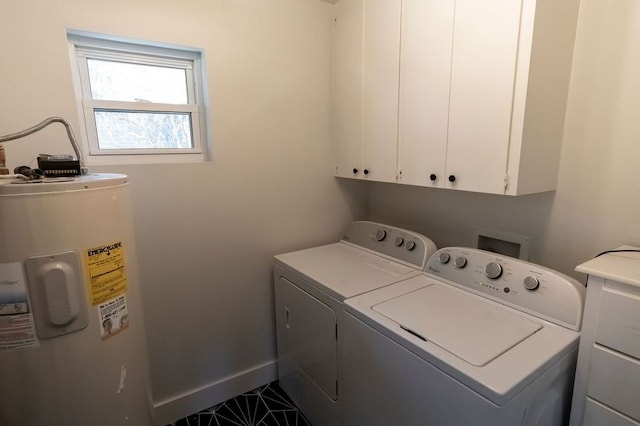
[(72, 343)]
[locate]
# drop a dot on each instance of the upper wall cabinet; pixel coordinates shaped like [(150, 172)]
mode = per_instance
[(366, 62), (427, 37), (455, 94)]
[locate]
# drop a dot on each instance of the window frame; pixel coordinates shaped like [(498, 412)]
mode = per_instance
[(84, 46)]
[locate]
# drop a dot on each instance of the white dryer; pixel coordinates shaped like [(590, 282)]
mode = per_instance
[(310, 287), (480, 339)]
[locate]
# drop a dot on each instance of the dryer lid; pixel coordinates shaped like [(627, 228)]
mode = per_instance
[(462, 324), (345, 271)]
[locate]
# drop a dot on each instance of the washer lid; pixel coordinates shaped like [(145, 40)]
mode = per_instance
[(470, 329)]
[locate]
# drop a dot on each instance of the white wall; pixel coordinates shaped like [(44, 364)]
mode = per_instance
[(205, 232), (597, 204)]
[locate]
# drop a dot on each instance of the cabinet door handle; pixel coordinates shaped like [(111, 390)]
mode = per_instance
[(452, 178), (366, 171), (433, 177), (355, 171)]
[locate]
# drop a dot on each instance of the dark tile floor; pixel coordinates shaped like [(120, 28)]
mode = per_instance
[(265, 406)]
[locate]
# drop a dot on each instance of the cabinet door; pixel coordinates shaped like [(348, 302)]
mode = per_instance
[(425, 69), (485, 44), (347, 91), (381, 50)]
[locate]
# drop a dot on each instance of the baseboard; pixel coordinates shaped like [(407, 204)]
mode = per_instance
[(172, 409)]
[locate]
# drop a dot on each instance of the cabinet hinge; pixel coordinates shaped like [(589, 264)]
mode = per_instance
[(336, 331), (506, 181)]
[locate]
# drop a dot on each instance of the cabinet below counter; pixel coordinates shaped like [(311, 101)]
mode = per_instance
[(607, 384)]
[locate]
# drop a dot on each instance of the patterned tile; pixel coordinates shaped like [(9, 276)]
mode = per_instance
[(265, 406)]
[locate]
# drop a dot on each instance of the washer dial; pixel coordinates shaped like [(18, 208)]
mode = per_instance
[(411, 245), (493, 270), (444, 257), (399, 241), (531, 283), (381, 235), (461, 262)]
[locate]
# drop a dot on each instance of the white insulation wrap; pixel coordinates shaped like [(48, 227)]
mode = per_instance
[(72, 342)]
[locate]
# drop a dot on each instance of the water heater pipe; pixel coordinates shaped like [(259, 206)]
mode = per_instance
[(36, 128)]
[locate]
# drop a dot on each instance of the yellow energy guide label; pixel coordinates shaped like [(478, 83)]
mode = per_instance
[(107, 275)]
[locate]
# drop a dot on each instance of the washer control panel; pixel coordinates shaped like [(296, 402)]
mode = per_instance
[(525, 286), (398, 243)]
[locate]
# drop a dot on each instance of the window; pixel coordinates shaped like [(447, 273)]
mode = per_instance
[(140, 102)]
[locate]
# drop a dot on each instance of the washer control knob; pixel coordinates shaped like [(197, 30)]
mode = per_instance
[(399, 241), (411, 245), (493, 270), (381, 235), (531, 283), (461, 262), (444, 257)]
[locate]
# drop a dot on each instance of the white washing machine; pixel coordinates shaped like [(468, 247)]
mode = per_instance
[(310, 287), (479, 339)]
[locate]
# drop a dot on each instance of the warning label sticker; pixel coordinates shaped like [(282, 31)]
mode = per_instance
[(17, 328), (113, 316), (107, 277)]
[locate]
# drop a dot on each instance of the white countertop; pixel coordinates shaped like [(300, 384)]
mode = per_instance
[(623, 267)]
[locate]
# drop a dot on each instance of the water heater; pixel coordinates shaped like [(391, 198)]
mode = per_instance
[(72, 344)]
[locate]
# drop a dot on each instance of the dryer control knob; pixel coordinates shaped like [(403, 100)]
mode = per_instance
[(381, 235), (531, 283), (399, 241), (493, 270), (461, 262), (411, 245), (444, 257)]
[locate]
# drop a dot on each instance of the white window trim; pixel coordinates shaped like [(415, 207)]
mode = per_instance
[(83, 45)]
